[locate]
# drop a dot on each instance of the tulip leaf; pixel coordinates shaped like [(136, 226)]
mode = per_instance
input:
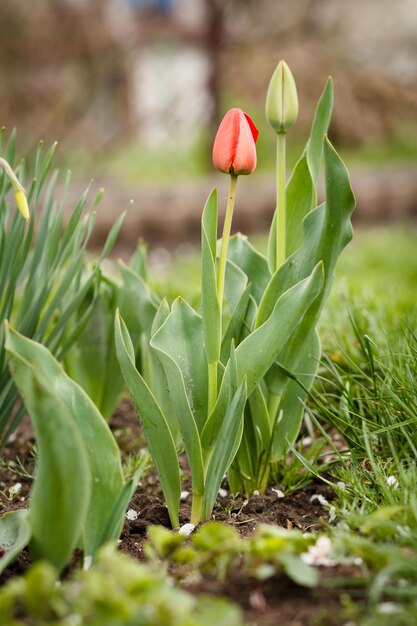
[(319, 129), (61, 491), (327, 230), (116, 518), (235, 284), (180, 339), (158, 381), (236, 323), (292, 406), (138, 304), (256, 353), (15, 533), (251, 262), (210, 303), (91, 361), (155, 426), (225, 448), (82, 415), (179, 346)]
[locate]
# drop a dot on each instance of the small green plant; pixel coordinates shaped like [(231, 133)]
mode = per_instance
[(91, 361), (216, 549), (117, 591), (44, 275), (79, 496), (230, 383)]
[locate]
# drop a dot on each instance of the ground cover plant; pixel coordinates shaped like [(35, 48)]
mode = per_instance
[(318, 441)]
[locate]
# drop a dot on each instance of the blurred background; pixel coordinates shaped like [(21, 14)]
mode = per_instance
[(133, 90)]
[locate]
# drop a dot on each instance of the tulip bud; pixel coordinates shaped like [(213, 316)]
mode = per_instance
[(22, 203), (234, 150), (281, 100)]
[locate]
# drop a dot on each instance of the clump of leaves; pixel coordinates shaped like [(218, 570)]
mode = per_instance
[(117, 591)]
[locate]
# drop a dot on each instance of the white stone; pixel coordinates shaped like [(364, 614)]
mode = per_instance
[(186, 529), (131, 515)]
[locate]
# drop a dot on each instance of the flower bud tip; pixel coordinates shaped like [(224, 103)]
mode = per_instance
[(281, 107)]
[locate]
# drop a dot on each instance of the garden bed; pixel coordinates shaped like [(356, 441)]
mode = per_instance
[(277, 600)]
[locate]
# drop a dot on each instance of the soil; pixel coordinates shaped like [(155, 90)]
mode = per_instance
[(272, 602)]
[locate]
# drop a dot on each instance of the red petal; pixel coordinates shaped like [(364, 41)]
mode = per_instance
[(254, 130)]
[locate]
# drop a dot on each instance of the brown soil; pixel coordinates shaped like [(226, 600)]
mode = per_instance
[(272, 602)]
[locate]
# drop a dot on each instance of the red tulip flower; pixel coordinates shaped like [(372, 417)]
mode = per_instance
[(234, 150)]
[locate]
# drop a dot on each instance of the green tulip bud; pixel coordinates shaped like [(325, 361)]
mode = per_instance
[(281, 107)]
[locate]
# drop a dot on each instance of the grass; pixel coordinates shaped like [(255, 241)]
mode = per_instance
[(367, 391)]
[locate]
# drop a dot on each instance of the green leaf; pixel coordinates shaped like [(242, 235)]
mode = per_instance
[(138, 304), (301, 194), (298, 571), (258, 351), (180, 339), (301, 198), (236, 282), (292, 405), (83, 417), (253, 264), (209, 300), (327, 230), (61, 491), (157, 432), (116, 518), (236, 324), (225, 448), (319, 129), (179, 346), (15, 533)]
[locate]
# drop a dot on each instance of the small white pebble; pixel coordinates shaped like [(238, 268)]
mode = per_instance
[(392, 482), (321, 499), (87, 563), (388, 608), (256, 493), (143, 451), (403, 531), (223, 493), (319, 554), (131, 515), (184, 495), (341, 484), (358, 561), (280, 494), (15, 489), (307, 441), (186, 529)]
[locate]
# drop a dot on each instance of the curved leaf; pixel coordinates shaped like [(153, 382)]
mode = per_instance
[(103, 457), (15, 533), (256, 354), (180, 339), (157, 432), (61, 491)]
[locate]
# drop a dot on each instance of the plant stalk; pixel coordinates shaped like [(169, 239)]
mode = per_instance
[(212, 386), (281, 202), (221, 270), (196, 509)]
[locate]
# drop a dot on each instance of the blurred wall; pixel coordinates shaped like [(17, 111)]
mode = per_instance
[(101, 72)]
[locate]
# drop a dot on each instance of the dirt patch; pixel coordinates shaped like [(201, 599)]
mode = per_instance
[(275, 601)]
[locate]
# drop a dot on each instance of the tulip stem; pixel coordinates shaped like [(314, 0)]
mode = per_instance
[(221, 270), (281, 202), (212, 386)]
